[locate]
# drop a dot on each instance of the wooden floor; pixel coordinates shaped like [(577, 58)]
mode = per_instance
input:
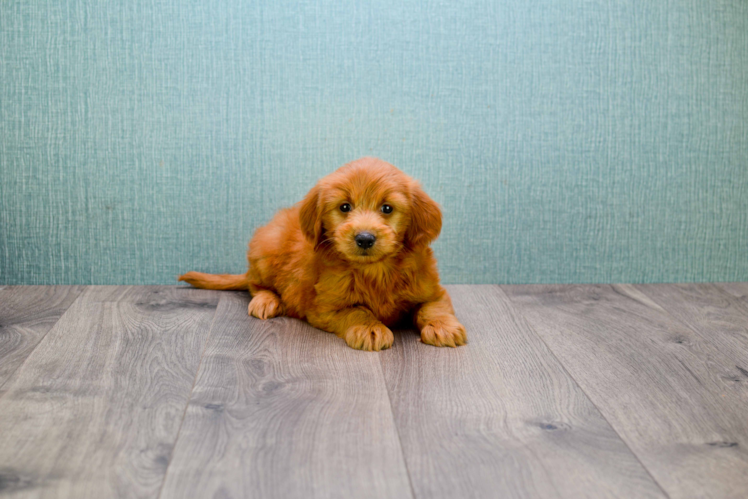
[(563, 391)]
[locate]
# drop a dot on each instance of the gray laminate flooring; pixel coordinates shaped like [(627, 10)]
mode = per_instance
[(562, 391)]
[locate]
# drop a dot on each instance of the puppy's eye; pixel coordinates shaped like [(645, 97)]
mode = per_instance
[(345, 207), (386, 209)]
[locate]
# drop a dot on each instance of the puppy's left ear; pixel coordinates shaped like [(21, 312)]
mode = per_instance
[(310, 217), (425, 219)]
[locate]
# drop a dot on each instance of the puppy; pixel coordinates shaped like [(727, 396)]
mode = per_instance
[(352, 258)]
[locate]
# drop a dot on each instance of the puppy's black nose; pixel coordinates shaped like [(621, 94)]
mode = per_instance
[(365, 240)]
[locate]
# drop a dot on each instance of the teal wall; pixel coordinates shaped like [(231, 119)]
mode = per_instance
[(568, 141)]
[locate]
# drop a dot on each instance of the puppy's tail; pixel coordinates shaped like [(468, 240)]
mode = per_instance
[(216, 281)]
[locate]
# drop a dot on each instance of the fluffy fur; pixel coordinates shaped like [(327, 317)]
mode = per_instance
[(306, 264)]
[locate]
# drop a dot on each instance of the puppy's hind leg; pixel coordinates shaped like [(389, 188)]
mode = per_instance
[(265, 305)]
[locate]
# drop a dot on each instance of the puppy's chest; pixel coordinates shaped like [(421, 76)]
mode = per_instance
[(385, 295)]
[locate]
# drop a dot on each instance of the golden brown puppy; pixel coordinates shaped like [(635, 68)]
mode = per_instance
[(352, 258)]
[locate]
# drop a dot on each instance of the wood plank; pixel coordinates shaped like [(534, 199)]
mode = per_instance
[(718, 316), (95, 409), (739, 290), (27, 313), (661, 385), (281, 409), (500, 417)]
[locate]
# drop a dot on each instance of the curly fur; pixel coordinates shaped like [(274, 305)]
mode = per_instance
[(305, 263)]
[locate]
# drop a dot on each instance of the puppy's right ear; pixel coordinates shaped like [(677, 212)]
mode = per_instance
[(310, 216)]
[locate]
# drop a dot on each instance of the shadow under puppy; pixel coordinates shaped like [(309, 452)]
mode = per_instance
[(352, 258)]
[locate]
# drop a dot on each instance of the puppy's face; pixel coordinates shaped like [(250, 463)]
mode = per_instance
[(369, 210)]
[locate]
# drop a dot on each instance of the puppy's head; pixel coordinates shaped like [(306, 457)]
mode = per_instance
[(368, 210)]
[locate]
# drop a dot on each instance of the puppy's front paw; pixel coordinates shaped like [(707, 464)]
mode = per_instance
[(265, 305), (444, 332), (371, 337)]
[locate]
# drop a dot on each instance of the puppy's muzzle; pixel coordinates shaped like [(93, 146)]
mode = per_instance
[(365, 240)]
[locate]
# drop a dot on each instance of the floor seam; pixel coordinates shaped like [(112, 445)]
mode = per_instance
[(695, 329), (11, 374), (397, 429), (189, 398), (589, 398)]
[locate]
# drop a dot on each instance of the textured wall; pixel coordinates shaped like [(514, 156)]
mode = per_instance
[(568, 141)]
